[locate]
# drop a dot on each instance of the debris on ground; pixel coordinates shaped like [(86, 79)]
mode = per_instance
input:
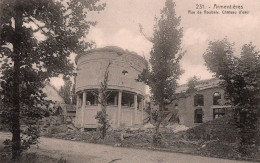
[(177, 127), (208, 139), (148, 126), (72, 127), (55, 124)]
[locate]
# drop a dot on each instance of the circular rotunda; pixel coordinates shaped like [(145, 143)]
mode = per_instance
[(126, 95)]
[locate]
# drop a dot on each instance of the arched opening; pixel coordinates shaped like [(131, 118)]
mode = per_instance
[(125, 73), (216, 98), (176, 106)]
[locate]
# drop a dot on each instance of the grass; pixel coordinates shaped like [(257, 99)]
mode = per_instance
[(28, 158), (32, 158)]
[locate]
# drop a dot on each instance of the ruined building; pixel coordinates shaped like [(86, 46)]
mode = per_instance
[(205, 104), (126, 101)]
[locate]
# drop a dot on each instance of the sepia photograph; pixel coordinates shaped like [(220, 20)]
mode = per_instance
[(129, 81)]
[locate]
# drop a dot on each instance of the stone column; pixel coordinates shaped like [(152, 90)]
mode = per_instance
[(119, 107), (135, 109), (77, 102), (142, 111), (211, 113), (77, 110), (115, 112), (83, 108)]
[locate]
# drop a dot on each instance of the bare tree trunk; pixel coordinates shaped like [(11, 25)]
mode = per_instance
[(258, 129), (258, 123), (103, 102), (15, 113), (16, 140), (157, 136), (105, 122)]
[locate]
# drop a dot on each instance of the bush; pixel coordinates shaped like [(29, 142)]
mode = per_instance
[(223, 129)]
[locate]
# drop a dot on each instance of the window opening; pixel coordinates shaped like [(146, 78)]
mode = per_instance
[(198, 116), (127, 99), (92, 98), (198, 100), (112, 98)]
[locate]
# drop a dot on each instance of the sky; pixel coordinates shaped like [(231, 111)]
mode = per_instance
[(118, 25)]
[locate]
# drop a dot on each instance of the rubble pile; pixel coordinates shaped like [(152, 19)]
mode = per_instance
[(193, 140), (136, 137), (52, 125), (148, 126), (217, 138), (223, 129), (177, 127)]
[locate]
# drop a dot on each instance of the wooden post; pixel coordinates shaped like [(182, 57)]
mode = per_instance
[(115, 100), (135, 107), (119, 108), (99, 101), (83, 108)]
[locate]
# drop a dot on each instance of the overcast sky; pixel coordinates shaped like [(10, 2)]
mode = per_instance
[(118, 26)]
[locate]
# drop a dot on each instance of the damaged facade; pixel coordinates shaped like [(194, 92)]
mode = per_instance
[(205, 104), (126, 100)]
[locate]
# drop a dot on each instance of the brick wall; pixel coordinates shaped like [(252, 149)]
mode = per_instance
[(186, 106)]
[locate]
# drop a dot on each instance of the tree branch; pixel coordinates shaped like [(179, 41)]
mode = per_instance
[(142, 32), (39, 27)]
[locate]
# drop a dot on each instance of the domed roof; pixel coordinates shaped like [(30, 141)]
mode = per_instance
[(114, 49)]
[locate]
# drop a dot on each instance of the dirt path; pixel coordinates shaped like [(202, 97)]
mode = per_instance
[(95, 153)]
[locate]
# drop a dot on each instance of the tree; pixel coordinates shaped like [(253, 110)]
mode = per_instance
[(241, 82), (165, 57), (36, 39), (102, 115), (192, 83)]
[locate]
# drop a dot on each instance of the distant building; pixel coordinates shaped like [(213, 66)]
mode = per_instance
[(59, 107), (126, 100), (53, 94), (206, 104)]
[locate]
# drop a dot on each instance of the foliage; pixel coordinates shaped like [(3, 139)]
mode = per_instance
[(102, 118), (192, 82), (241, 82), (102, 115), (32, 158), (36, 39), (165, 57)]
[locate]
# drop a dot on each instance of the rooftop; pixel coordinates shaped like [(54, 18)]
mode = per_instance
[(202, 84), (114, 49)]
